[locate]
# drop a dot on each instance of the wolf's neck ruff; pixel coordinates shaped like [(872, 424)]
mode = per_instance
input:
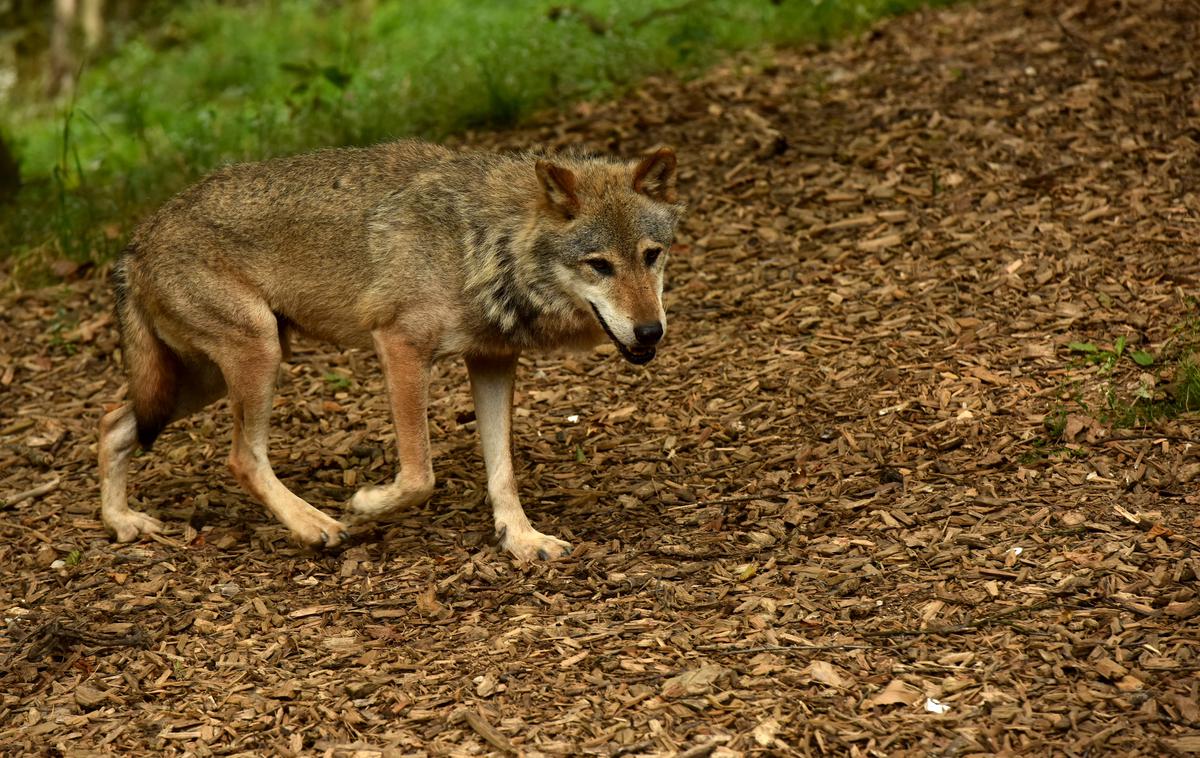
[(511, 279)]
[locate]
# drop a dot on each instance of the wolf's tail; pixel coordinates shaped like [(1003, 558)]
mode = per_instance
[(153, 369)]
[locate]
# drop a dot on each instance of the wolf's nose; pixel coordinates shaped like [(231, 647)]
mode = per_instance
[(648, 334)]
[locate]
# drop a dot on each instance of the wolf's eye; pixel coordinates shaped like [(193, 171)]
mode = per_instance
[(652, 256), (600, 266)]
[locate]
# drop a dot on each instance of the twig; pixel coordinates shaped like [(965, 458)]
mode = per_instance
[(1074, 34), (489, 733), (30, 493), (1149, 436), (40, 535), (698, 751), (958, 628), (804, 499), (637, 747), (782, 648), (55, 633)]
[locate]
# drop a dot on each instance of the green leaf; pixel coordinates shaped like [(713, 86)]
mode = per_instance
[(579, 455), (336, 76), (73, 557), (1082, 347), (1119, 347), (1142, 358)]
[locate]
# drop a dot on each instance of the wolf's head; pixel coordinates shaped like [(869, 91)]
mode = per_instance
[(612, 225)]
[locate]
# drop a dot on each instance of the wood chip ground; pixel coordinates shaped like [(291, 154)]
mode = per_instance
[(826, 520)]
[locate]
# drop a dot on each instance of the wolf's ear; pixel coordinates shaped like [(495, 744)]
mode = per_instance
[(655, 175), (558, 187)]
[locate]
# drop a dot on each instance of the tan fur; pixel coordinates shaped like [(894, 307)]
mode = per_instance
[(410, 248)]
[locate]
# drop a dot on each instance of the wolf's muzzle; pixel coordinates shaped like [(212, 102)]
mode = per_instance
[(638, 355)]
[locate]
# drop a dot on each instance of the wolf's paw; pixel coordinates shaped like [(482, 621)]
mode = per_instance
[(371, 503), (531, 545), (316, 530), (131, 524)]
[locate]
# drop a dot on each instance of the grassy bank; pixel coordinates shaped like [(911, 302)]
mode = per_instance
[(214, 83)]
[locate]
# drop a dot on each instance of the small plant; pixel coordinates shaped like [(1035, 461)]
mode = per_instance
[(61, 325), (1186, 389), (1107, 359), (337, 382), (1055, 423), (1164, 385), (1048, 448)]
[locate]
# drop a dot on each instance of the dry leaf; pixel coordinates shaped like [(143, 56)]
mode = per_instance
[(89, 697), (694, 682), (823, 672), (898, 692), (764, 733)]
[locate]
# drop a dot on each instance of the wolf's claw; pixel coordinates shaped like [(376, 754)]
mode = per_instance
[(544, 555), (334, 541), (325, 533)]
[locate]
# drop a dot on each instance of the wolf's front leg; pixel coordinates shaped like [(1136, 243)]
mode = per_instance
[(406, 372), (492, 386)]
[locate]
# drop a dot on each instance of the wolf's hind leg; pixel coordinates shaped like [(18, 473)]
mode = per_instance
[(492, 386), (250, 368), (118, 436), (200, 385), (406, 372)]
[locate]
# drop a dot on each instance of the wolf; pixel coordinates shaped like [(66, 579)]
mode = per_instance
[(413, 249)]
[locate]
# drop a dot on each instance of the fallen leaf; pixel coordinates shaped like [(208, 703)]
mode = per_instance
[(1182, 610), (897, 692), (825, 673), (89, 697), (694, 682), (764, 733)]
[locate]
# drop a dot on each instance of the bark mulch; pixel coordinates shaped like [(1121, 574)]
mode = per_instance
[(867, 501)]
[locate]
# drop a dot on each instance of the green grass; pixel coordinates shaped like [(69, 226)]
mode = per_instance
[(1138, 389), (214, 83)]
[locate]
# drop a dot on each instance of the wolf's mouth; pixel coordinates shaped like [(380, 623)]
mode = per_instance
[(639, 356)]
